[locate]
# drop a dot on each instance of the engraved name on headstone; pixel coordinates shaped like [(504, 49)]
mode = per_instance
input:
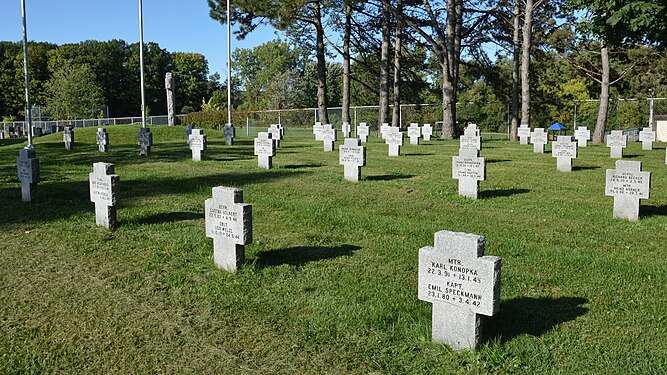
[(427, 132), (328, 137), (362, 132), (145, 141), (68, 137), (582, 135), (353, 156), (647, 137), (627, 184), (103, 192), (524, 134), (265, 149), (27, 166), (462, 284), (471, 138), (469, 169), (414, 133), (198, 143), (564, 150), (394, 138), (229, 223), (102, 139), (617, 141), (539, 138)]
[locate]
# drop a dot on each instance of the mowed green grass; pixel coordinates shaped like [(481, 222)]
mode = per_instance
[(330, 284)]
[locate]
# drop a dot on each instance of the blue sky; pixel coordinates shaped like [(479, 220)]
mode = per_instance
[(178, 26)]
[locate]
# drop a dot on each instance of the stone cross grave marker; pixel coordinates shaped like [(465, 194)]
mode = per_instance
[(68, 137), (647, 137), (462, 284), (362, 132), (27, 166), (353, 156), (265, 149), (198, 143), (617, 141), (328, 137), (170, 86), (394, 138), (383, 130), (471, 138), (564, 150), (345, 129), (427, 132), (627, 184), (524, 134), (145, 140), (414, 133), (539, 138), (230, 134), (276, 134), (582, 135), (102, 138), (103, 192), (317, 130), (229, 223), (188, 131), (469, 169)]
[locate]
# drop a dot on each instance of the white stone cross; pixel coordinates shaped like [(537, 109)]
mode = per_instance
[(383, 129), (582, 135), (277, 131), (229, 223), (414, 133), (103, 192), (539, 138), (68, 137), (647, 137), (462, 284), (197, 143), (427, 132), (27, 166), (627, 184), (345, 129), (230, 134), (265, 149), (362, 132), (102, 138), (617, 141), (317, 130), (469, 169), (353, 156), (524, 134), (394, 138), (471, 138), (564, 150), (145, 140), (328, 135)]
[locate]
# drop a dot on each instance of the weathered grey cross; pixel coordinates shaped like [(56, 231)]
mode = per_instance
[(229, 223), (102, 138), (198, 143), (27, 166), (265, 150), (393, 136), (353, 156), (103, 192), (564, 150), (469, 169), (616, 141), (627, 184), (539, 138)]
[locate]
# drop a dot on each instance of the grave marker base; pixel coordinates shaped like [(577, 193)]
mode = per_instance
[(394, 150), (616, 153), (228, 256), (456, 327), (28, 191), (352, 173), (105, 216), (564, 164)]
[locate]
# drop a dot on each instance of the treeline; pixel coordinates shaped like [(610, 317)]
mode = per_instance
[(72, 80)]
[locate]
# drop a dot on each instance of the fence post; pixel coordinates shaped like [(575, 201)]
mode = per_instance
[(247, 131), (650, 113), (575, 115)]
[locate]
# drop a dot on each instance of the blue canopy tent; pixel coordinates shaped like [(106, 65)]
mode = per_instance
[(556, 127)]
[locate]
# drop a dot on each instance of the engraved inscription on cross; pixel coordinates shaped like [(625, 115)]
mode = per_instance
[(524, 134), (393, 136), (414, 133), (102, 138), (230, 133), (469, 169), (27, 166), (471, 138), (229, 223), (197, 143), (265, 149), (427, 132), (345, 129), (68, 137), (627, 184), (647, 137), (103, 185), (145, 141), (539, 138), (461, 283), (317, 130), (362, 132), (383, 130), (564, 150), (617, 141), (353, 156), (582, 135), (328, 137)]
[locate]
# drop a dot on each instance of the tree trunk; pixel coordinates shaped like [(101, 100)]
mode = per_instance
[(525, 63), (450, 67), (321, 66), (598, 134), (515, 71), (384, 66), (346, 63), (396, 115), (448, 105)]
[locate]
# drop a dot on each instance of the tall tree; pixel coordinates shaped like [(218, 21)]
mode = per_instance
[(73, 92), (347, 8), (396, 115), (384, 64), (516, 52)]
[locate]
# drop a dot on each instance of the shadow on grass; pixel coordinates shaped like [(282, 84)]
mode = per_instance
[(492, 161), (630, 156), (166, 217), (297, 166), (418, 154), (486, 194), (582, 168), (388, 177), (12, 141), (647, 211), (532, 316), (300, 255)]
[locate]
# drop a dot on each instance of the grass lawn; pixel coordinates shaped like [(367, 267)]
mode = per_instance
[(330, 284)]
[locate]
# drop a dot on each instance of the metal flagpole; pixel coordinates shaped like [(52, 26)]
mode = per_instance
[(141, 60), (229, 66), (28, 109)]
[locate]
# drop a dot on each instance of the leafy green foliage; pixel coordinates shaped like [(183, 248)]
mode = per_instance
[(73, 92)]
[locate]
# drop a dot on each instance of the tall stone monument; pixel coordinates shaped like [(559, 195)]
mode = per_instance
[(102, 139), (68, 137), (229, 223), (104, 192), (362, 132), (198, 143), (524, 134), (617, 141), (27, 166), (647, 137), (462, 284), (564, 150), (170, 85), (393, 136), (582, 135), (627, 184), (145, 141), (230, 134), (353, 156), (265, 150), (539, 138), (469, 169)]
